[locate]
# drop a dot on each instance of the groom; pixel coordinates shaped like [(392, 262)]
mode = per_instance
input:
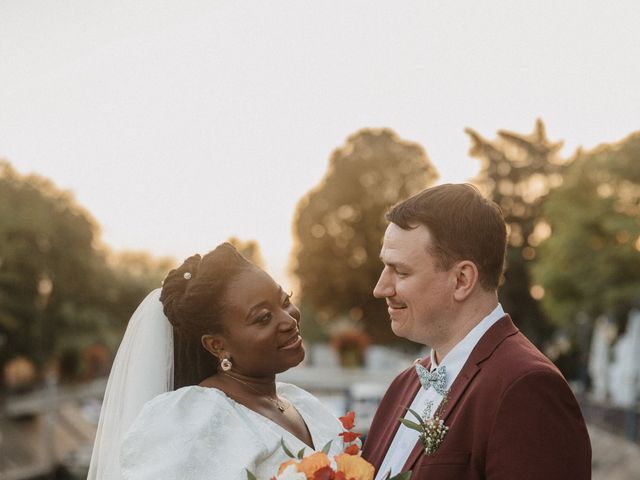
[(508, 412)]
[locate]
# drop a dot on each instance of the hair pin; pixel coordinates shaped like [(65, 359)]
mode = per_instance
[(187, 275)]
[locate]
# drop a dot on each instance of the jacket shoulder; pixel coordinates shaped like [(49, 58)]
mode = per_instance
[(517, 356)]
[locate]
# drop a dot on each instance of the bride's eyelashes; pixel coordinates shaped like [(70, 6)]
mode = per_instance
[(266, 317), (287, 299)]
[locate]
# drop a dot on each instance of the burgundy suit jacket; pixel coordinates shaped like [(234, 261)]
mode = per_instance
[(511, 416)]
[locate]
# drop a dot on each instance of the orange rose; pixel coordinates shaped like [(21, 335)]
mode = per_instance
[(309, 465), (354, 467), (284, 465)]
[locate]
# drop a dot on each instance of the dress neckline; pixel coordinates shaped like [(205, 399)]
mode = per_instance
[(269, 421)]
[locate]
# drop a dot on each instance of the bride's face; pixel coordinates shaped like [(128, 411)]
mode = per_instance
[(262, 333)]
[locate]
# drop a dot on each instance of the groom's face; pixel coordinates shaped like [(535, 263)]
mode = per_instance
[(417, 290)]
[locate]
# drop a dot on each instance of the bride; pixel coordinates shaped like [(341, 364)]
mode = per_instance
[(192, 393)]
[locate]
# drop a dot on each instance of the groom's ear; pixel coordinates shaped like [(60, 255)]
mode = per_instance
[(214, 344), (466, 278)]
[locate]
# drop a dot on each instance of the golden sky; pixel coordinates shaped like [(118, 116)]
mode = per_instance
[(180, 123)]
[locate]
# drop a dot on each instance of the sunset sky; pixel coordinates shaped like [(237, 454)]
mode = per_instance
[(180, 123)]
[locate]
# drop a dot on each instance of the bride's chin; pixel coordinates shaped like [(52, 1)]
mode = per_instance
[(295, 361)]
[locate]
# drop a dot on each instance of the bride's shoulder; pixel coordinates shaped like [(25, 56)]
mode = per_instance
[(192, 399), (192, 432), (185, 411)]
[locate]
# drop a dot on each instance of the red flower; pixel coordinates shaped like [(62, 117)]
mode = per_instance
[(327, 473), (348, 420), (352, 449), (349, 436), (324, 473)]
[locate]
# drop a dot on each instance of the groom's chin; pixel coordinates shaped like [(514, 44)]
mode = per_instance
[(397, 331), (398, 328)]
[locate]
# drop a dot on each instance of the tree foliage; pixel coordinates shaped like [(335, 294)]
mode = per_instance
[(518, 171), (58, 288), (250, 249), (338, 226), (129, 277), (591, 262)]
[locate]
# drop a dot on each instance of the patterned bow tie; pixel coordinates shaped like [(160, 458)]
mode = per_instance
[(436, 379)]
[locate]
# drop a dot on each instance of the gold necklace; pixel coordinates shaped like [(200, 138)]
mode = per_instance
[(279, 404)]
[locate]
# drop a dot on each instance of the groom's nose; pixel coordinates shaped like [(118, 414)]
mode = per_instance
[(384, 287)]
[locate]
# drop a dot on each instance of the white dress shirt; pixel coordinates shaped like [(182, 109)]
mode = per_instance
[(426, 402)]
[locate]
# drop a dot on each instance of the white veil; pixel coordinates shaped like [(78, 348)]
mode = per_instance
[(142, 369)]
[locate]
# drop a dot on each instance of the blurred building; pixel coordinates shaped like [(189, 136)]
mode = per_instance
[(614, 364)]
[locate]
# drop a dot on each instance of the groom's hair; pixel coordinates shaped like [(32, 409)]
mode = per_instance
[(463, 226)]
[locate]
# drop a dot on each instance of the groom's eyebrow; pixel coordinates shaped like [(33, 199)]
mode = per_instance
[(396, 265)]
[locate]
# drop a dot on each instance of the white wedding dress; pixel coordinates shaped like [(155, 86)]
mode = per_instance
[(149, 431), (200, 433)]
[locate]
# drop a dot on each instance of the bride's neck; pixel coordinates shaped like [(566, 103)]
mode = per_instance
[(260, 385)]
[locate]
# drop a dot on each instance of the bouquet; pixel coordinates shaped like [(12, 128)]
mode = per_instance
[(348, 465)]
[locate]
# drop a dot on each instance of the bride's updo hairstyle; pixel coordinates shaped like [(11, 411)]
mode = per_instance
[(192, 297)]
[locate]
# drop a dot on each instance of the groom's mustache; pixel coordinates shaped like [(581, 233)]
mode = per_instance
[(395, 305)]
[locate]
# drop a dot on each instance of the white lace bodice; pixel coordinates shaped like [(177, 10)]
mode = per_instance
[(200, 433)]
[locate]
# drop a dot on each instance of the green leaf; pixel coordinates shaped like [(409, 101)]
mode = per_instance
[(326, 448), (417, 415), (410, 424), (402, 476), (301, 454), (251, 476), (286, 450)]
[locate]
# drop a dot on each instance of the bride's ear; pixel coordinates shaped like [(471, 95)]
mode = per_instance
[(213, 344)]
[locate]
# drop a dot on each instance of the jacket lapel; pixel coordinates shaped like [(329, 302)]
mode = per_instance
[(502, 329), (406, 394), (457, 389)]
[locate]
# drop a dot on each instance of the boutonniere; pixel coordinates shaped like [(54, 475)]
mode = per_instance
[(432, 430)]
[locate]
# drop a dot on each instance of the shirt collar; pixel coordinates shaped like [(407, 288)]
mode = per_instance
[(457, 357)]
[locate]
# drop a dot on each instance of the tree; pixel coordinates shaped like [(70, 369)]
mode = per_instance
[(46, 242), (128, 277), (250, 249), (517, 173), (58, 289), (590, 265), (338, 226)]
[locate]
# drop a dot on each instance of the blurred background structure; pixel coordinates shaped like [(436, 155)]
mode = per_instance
[(134, 136)]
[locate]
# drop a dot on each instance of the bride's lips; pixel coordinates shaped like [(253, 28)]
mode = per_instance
[(293, 342)]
